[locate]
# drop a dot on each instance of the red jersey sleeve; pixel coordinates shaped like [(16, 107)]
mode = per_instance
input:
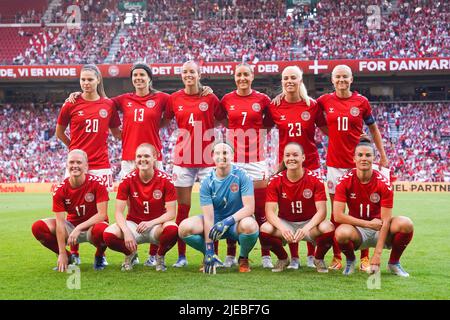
[(115, 119), (168, 112), (367, 113), (102, 193), (219, 112), (320, 121), (171, 194), (64, 115), (387, 198), (341, 192), (124, 190), (272, 191), (117, 101), (319, 194), (58, 202), (267, 121)]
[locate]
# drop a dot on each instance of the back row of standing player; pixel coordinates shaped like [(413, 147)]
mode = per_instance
[(340, 115)]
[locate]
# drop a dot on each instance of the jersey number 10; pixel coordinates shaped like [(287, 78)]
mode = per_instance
[(342, 123)]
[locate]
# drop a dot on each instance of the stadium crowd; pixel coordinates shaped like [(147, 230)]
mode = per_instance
[(416, 148), (174, 31)]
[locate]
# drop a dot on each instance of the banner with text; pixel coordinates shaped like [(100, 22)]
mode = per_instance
[(369, 66)]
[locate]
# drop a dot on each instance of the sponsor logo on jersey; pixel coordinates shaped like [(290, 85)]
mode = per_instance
[(89, 197), (354, 111), (203, 106), (284, 195), (129, 104), (234, 187), (232, 108), (150, 104), (67, 201), (306, 116), (180, 108), (256, 107), (135, 195), (81, 113), (375, 197), (307, 193), (352, 195), (103, 113), (330, 184), (157, 194), (113, 71), (282, 117), (331, 110)]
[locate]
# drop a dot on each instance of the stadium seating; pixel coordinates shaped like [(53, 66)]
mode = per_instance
[(417, 150), (22, 11)]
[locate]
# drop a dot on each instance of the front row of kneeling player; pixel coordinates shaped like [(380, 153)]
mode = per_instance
[(227, 203)]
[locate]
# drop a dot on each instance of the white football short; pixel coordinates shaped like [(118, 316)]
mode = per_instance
[(104, 174), (85, 236), (256, 170), (334, 174), (185, 177), (369, 238), (294, 226), (146, 237)]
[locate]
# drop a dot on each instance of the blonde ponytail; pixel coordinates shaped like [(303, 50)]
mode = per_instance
[(304, 94)]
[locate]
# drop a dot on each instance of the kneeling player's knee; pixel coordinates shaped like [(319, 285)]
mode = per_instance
[(184, 229), (248, 225), (326, 227), (266, 227), (405, 224), (342, 234)]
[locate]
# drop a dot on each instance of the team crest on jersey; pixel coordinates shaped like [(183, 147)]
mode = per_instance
[(375, 197), (354, 111), (103, 113), (89, 197), (307, 193), (306, 116), (330, 184), (150, 104), (203, 106), (157, 194), (256, 107), (234, 187)]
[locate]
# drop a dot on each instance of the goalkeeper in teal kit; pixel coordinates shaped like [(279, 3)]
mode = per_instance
[(228, 204)]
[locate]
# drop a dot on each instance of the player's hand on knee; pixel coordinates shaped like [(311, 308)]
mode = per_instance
[(73, 237), (130, 242), (300, 234), (288, 235), (219, 229), (375, 224), (144, 226)]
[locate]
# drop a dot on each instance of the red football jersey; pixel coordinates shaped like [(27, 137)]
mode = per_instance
[(79, 203), (147, 201), (89, 124), (345, 118), (297, 122), (247, 116), (194, 116), (296, 200), (141, 121), (365, 200)]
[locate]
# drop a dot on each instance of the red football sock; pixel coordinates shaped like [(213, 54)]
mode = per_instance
[(167, 240), (336, 248), (260, 205), (43, 234), (311, 248), (399, 243), (275, 244), (365, 253), (97, 238), (324, 243), (231, 247), (74, 249), (116, 244), (348, 249), (153, 250), (183, 213), (293, 248)]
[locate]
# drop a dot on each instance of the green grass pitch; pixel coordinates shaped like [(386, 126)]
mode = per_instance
[(26, 266)]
